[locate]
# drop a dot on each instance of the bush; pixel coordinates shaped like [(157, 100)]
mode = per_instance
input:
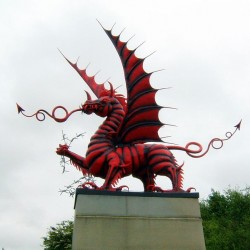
[(59, 237), (226, 220)]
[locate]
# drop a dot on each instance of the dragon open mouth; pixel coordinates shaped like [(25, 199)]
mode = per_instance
[(89, 108)]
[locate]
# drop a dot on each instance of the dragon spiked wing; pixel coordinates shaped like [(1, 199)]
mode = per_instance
[(97, 88), (141, 123)]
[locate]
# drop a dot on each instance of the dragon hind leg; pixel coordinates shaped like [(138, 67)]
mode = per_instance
[(112, 181), (148, 181), (162, 162)]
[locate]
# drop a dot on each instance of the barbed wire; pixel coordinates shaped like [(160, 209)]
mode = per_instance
[(64, 162), (70, 189)]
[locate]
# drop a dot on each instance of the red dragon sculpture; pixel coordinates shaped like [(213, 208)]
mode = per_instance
[(120, 146)]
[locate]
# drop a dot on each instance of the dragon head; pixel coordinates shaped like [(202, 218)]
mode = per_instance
[(102, 106)]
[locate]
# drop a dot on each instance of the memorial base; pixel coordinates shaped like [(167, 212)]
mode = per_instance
[(133, 220)]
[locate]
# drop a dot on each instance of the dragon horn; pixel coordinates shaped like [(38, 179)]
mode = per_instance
[(111, 90), (88, 96)]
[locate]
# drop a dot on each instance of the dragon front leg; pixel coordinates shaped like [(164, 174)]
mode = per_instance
[(78, 161), (116, 170)]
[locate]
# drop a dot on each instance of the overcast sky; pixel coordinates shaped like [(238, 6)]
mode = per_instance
[(204, 47)]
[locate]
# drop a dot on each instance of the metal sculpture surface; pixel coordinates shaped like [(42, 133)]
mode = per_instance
[(118, 148)]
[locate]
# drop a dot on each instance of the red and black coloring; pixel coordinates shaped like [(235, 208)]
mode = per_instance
[(121, 145)]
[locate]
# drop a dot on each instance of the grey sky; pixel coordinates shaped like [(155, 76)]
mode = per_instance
[(203, 47)]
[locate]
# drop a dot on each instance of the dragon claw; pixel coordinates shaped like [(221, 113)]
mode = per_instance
[(153, 188), (190, 189), (62, 149), (86, 185), (92, 185), (121, 188)]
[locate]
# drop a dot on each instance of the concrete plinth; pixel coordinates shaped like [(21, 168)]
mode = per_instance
[(133, 220)]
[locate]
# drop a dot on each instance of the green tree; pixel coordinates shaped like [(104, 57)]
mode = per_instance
[(226, 220), (59, 237)]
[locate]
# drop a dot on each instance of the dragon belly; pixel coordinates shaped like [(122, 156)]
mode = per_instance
[(132, 157), (96, 159)]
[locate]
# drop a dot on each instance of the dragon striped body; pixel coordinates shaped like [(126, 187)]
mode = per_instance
[(106, 160)]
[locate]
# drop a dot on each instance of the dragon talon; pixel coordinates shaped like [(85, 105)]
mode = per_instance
[(121, 188), (91, 184), (190, 189)]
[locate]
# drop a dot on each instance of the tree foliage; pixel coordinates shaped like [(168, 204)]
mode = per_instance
[(59, 237), (226, 220)]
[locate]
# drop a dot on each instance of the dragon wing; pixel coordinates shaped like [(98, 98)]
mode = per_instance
[(97, 89), (141, 123)]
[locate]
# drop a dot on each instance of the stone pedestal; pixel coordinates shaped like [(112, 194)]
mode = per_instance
[(137, 220)]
